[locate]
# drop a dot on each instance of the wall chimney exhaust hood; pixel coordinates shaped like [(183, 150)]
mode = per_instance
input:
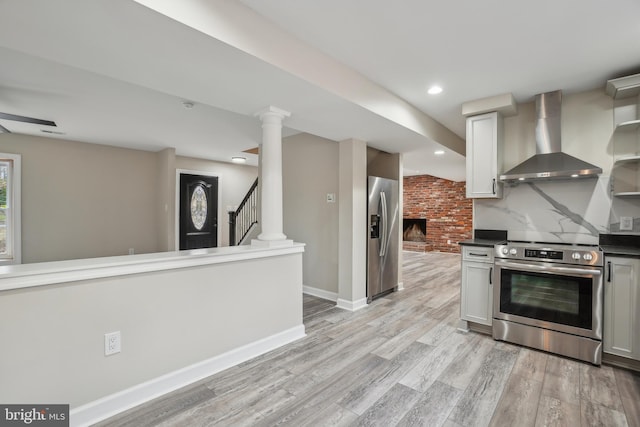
[(549, 162)]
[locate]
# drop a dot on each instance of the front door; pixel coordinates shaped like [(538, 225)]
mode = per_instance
[(198, 211)]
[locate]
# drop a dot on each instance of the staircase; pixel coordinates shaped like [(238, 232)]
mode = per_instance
[(245, 218)]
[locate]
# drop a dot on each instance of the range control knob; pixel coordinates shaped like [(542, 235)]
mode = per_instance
[(505, 250), (575, 255), (513, 251), (587, 256)]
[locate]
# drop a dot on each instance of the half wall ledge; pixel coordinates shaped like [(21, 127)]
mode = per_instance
[(50, 273)]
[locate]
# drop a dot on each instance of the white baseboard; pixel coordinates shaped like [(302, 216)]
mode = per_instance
[(111, 405), (320, 293), (351, 305)]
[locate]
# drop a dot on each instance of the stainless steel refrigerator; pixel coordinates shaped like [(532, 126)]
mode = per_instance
[(382, 247)]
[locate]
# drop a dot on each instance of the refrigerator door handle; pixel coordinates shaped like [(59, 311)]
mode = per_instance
[(385, 232)]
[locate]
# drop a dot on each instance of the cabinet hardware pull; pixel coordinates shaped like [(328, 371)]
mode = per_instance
[(494, 186), (491, 276), (609, 271), (475, 254)]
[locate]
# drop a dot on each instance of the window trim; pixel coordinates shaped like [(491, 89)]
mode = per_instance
[(14, 212)]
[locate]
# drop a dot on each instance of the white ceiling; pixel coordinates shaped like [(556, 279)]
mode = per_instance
[(116, 72)]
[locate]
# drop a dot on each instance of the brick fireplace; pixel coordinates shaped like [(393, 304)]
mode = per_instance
[(444, 207)]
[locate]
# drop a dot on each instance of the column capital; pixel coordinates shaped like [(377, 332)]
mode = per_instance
[(272, 111)]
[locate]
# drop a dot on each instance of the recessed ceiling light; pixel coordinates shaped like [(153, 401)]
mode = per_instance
[(438, 152), (187, 104), (520, 179), (434, 90), (575, 175), (238, 159)]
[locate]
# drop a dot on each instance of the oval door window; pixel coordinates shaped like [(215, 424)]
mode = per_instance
[(198, 207)]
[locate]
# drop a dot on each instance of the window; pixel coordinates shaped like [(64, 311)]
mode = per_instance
[(10, 241)]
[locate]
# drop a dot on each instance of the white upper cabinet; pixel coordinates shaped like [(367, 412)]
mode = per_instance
[(484, 160)]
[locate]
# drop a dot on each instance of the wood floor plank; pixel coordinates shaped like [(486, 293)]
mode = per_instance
[(163, 408), (592, 414), (598, 385), (311, 358), (466, 365), (437, 334), (519, 402), (390, 408), (554, 412), (425, 373), (629, 387), (368, 392), (332, 416), (476, 406), (562, 379), (433, 408), (347, 355), (327, 392), (531, 364), (257, 395), (396, 344)]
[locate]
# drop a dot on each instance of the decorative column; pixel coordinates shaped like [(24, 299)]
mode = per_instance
[(271, 221)]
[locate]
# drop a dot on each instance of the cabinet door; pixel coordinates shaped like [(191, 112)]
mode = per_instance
[(477, 293), (483, 134), (621, 301)]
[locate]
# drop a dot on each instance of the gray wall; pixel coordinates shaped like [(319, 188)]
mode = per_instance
[(168, 320), (83, 200), (310, 172)]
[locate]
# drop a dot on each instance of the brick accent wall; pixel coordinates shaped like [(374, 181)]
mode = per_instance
[(447, 210)]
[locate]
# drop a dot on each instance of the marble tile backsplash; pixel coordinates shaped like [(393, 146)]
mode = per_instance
[(572, 211)]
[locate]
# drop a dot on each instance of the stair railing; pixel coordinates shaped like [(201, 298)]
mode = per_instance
[(242, 219)]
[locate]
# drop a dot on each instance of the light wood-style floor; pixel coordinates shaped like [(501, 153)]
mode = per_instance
[(401, 361)]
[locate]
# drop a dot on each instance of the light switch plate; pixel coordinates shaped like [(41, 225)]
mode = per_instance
[(331, 197), (626, 223)]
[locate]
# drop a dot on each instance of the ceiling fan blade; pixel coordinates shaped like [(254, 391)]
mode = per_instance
[(4, 129), (17, 118)]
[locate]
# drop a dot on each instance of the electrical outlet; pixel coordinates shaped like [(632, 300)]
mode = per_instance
[(132, 251), (112, 343), (626, 223), (331, 197)]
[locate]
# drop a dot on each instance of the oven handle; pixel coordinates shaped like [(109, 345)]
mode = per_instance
[(555, 269)]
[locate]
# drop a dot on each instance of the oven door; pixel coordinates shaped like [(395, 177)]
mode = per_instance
[(552, 296)]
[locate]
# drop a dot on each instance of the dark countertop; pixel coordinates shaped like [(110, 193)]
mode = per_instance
[(627, 251), (486, 238), (620, 245), (487, 243)]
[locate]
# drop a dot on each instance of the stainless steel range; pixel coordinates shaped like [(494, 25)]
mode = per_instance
[(549, 297)]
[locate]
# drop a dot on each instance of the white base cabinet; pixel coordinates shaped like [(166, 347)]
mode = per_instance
[(476, 293), (621, 334)]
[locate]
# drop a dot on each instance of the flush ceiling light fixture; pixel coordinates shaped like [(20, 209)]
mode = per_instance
[(238, 159), (438, 152), (434, 90)]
